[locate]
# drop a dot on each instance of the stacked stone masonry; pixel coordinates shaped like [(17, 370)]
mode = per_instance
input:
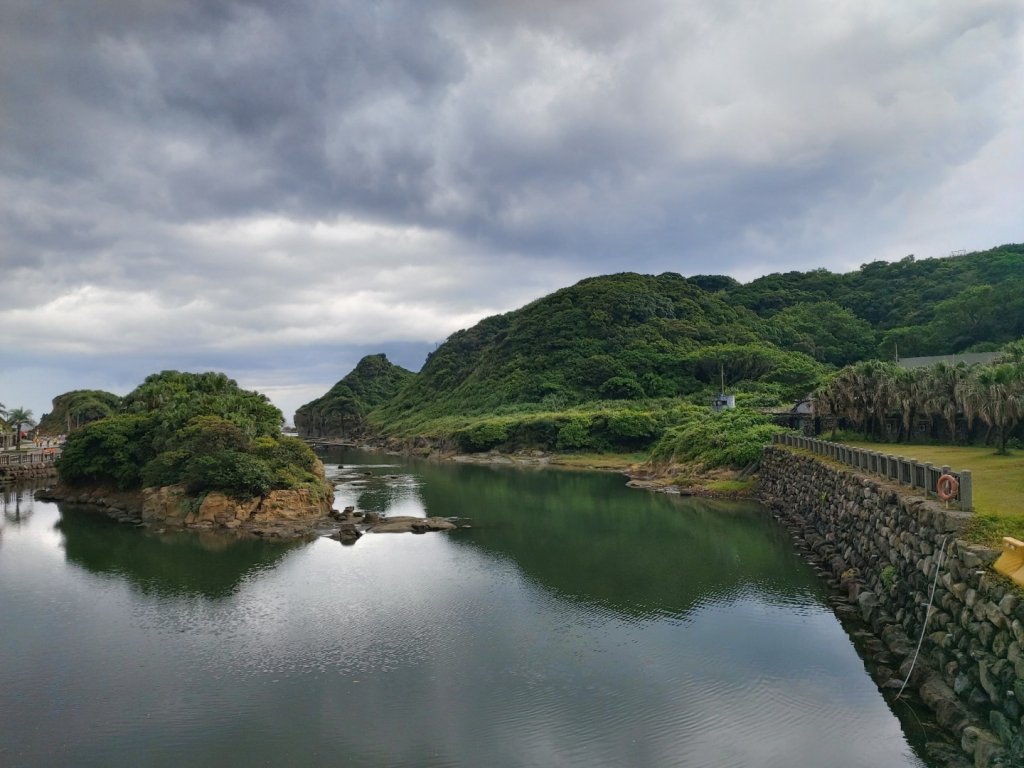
[(883, 547)]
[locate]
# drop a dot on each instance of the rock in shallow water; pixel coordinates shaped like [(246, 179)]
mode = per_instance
[(413, 525)]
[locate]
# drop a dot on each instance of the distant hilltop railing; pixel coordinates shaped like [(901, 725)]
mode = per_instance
[(911, 472)]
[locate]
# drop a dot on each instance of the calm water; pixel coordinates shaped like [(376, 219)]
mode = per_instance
[(577, 623)]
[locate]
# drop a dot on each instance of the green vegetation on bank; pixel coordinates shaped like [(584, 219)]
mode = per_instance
[(665, 431), (199, 429), (732, 438)]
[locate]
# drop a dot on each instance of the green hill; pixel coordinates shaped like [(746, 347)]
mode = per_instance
[(614, 361), (342, 411), (73, 410), (618, 337), (972, 302)]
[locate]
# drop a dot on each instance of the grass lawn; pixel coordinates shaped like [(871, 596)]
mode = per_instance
[(998, 483)]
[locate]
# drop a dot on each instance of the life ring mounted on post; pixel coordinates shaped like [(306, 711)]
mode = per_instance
[(947, 487)]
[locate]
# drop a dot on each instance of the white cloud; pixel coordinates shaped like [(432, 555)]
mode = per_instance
[(200, 184)]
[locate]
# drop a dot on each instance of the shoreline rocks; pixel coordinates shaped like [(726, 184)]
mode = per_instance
[(283, 514)]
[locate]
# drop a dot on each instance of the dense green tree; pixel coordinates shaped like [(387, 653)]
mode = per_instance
[(945, 385), (175, 398), (110, 451), (824, 330), (200, 429)]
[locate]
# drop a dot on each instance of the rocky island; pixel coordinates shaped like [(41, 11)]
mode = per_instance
[(195, 451), (189, 450)]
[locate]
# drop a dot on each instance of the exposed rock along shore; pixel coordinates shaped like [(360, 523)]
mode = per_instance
[(279, 514)]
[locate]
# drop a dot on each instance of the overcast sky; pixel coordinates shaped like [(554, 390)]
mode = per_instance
[(273, 189)]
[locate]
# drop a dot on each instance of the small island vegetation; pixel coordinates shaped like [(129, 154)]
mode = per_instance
[(200, 430)]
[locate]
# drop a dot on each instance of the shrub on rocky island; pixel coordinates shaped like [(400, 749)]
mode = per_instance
[(200, 430)]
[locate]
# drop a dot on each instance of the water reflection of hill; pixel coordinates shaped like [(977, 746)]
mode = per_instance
[(172, 564), (634, 551)]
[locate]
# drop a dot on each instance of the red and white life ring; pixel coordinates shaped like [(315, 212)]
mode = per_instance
[(947, 487)]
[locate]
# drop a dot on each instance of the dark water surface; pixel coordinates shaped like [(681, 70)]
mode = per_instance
[(577, 623)]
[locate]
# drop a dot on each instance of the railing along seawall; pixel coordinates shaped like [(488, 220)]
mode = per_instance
[(33, 457), (918, 475)]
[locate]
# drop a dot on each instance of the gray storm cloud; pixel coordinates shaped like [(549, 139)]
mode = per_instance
[(194, 181)]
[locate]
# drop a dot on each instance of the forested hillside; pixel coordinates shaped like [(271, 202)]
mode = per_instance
[(342, 411), (928, 307), (618, 337), (614, 361)]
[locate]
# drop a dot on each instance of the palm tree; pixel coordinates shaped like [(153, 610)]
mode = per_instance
[(1012, 353), (826, 403), (945, 394), (996, 395), (20, 417), (873, 385), (908, 388)]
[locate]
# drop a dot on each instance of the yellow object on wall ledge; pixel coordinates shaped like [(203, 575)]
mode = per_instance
[(1011, 562)]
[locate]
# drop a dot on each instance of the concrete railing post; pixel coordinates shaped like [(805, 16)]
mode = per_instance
[(966, 493)]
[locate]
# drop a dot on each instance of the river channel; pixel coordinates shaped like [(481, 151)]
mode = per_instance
[(576, 623)]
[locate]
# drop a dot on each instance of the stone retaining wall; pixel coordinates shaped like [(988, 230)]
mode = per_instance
[(13, 474), (882, 546)]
